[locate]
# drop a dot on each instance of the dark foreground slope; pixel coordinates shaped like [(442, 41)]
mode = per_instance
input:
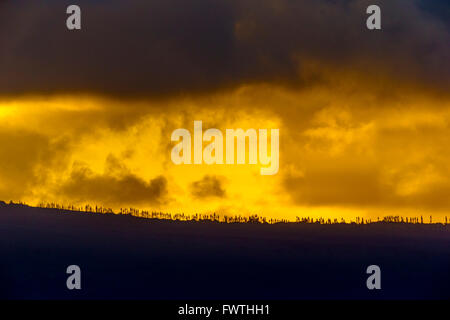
[(127, 257)]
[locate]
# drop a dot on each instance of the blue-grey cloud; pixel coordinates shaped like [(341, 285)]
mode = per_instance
[(160, 48)]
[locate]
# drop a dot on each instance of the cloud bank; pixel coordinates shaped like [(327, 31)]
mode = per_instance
[(161, 48)]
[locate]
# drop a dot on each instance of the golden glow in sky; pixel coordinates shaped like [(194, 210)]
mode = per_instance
[(343, 152)]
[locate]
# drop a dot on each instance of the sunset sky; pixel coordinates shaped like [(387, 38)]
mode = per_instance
[(364, 116)]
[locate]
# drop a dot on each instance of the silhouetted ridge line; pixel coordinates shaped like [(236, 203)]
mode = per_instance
[(198, 217)]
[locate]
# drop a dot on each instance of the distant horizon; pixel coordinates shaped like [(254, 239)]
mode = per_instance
[(214, 217)]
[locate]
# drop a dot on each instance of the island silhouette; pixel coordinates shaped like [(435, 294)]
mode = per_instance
[(126, 256)]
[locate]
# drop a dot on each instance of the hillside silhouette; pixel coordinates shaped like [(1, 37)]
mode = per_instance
[(222, 218), (123, 256)]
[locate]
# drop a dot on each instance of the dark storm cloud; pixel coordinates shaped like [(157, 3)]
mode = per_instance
[(209, 186), (159, 48), (115, 186)]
